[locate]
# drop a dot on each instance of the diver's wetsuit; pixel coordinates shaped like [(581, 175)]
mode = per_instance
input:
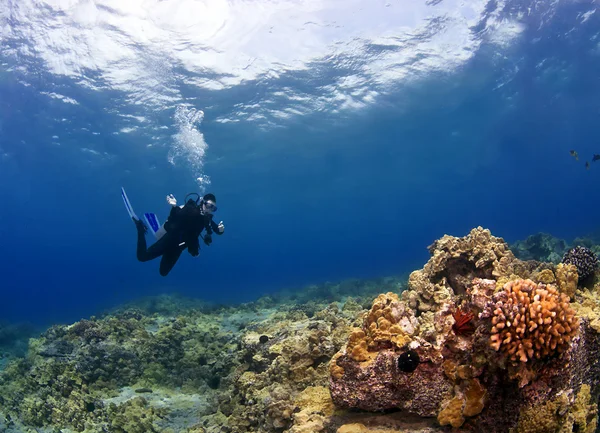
[(183, 225)]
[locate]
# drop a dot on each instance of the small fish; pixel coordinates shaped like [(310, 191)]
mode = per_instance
[(574, 155), (595, 158), (587, 165)]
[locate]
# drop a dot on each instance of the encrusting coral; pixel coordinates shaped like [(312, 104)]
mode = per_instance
[(388, 322), (564, 413), (566, 279), (531, 321)]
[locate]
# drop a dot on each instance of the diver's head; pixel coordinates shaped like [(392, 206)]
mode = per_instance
[(209, 203)]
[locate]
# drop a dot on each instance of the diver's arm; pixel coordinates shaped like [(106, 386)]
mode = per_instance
[(175, 210), (193, 245), (192, 241), (217, 228)]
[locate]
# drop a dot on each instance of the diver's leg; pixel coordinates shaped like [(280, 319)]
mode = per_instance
[(145, 254), (169, 258)]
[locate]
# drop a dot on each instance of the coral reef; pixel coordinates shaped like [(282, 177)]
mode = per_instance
[(281, 385), (564, 413), (13, 340), (258, 367), (479, 341), (497, 340), (541, 247), (583, 259), (72, 372)]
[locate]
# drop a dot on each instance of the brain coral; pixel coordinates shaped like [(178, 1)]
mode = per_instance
[(531, 321)]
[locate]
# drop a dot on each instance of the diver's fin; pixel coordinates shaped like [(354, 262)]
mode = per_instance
[(128, 204), (157, 229)]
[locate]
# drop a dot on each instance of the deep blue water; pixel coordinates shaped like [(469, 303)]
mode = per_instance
[(340, 147)]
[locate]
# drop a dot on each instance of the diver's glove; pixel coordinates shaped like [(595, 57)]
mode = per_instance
[(221, 227), (172, 200), (208, 239)]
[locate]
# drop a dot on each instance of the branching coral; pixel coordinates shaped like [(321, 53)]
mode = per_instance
[(531, 321)]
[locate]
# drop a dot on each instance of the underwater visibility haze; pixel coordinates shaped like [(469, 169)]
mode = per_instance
[(410, 198), (341, 138)]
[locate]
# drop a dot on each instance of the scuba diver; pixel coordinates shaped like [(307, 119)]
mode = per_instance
[(181, 230)]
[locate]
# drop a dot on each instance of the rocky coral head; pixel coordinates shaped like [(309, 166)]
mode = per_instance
[(531, 321), (584, 259), (457, 261)]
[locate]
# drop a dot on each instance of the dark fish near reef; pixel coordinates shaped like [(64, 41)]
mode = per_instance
[(574, 155), (587, 165), (143, 390), (595, 158), (408, 361)]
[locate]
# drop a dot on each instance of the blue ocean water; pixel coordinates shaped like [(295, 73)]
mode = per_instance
[(340, 137)]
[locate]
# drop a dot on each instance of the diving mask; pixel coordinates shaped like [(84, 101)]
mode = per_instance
[(210, 206)]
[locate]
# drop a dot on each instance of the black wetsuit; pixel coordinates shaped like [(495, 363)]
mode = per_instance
[(183, 225)]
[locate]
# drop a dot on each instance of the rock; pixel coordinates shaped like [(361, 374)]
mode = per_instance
[(473, 381)]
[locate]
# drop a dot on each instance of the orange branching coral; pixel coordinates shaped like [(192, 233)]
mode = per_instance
[(463, 322), (532, 321)]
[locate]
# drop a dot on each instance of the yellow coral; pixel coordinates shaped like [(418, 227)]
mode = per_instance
[(468, 401), (357, 345), (474, 398), (335, 370), (313, 407), (542, 418), (546, 277), (585, 412), (567, 278), (589, 308), (450, 367), (563, 414), (451, 414), (532, 321), (390, 320)]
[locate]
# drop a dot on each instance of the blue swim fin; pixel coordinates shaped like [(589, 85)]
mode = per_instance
[(128, 204), (157, 229)]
